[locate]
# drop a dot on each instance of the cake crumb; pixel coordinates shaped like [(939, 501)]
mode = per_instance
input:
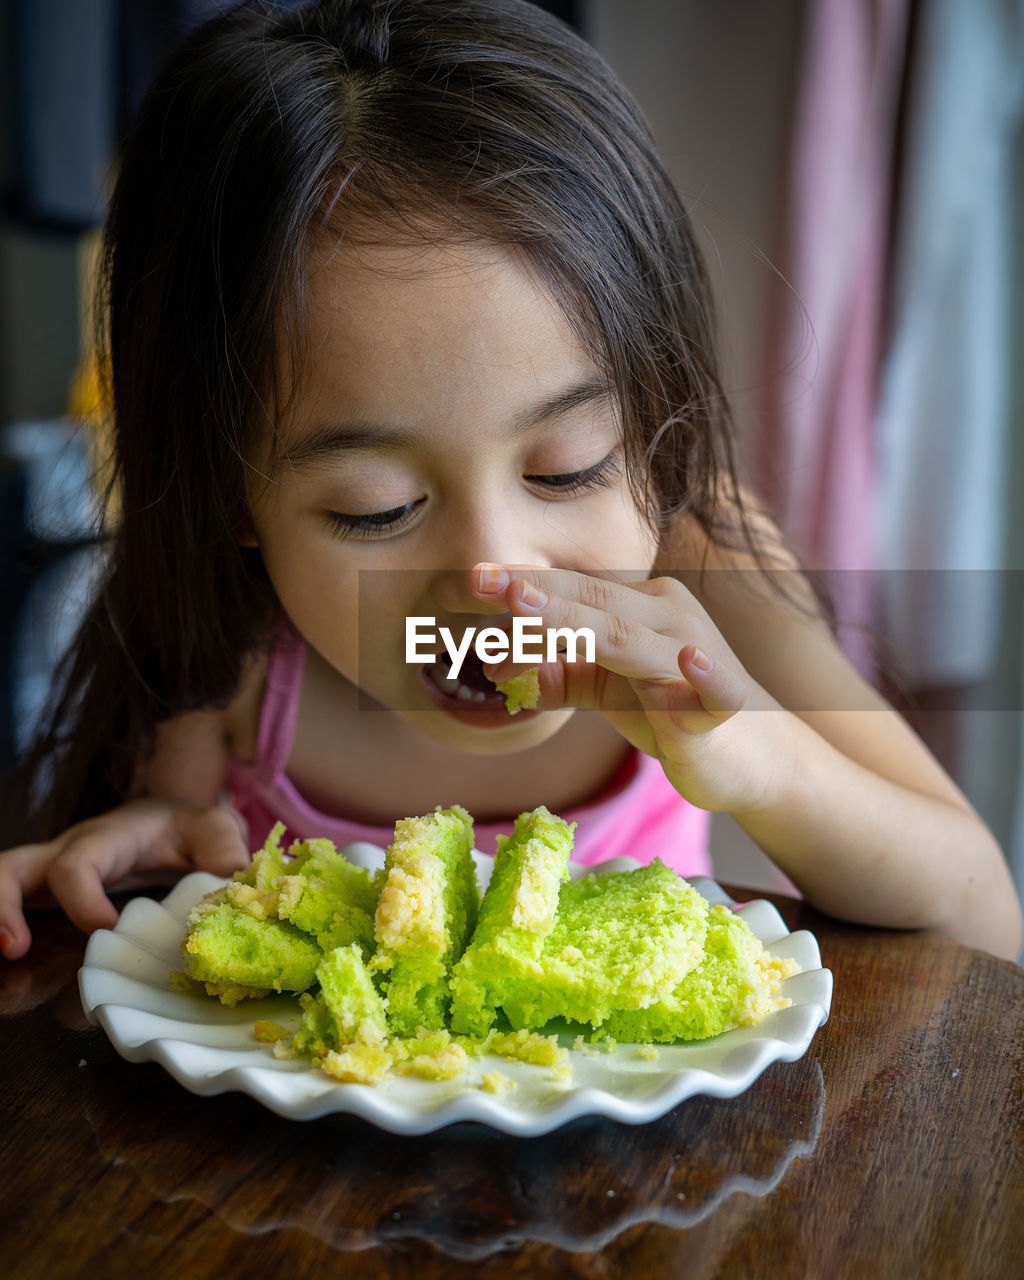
[(528, 1046), (269, 1031), (496, 1082), (445, 1064), (357, 1063)]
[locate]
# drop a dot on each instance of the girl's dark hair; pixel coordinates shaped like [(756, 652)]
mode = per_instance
[(267, 128)]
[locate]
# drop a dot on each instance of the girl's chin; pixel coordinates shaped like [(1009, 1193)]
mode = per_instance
[(471, 737)]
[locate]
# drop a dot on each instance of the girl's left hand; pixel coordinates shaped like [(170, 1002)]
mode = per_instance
[(663, 676)]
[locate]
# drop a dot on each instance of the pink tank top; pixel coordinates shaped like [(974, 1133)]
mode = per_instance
[(639, 814)]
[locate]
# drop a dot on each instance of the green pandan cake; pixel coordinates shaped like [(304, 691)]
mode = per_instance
[(347, 1009), (391, 964), (516, 915), (315, 888), (427, 911), (620, 941), (736, 984), (228, 949), (322, 893)]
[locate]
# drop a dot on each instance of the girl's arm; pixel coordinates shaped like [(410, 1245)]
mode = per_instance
[(752, 709), (174, 824), (855, 809)]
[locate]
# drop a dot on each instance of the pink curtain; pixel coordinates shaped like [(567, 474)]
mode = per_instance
[(814, 437)]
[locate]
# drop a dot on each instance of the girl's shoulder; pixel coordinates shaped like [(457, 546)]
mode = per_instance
[(191, 754)]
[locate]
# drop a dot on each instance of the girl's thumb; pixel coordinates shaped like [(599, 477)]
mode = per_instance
[(721, 693)]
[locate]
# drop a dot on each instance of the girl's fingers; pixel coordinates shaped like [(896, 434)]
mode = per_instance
[(635, 633), (721, 692), (76, 881), (216, 840), (144, 837), (623, 644), (119, 848), (658, 603), (636, 629), (104, 850), (22, 873)]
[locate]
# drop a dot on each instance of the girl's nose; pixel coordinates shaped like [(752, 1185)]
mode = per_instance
[(494, 536)]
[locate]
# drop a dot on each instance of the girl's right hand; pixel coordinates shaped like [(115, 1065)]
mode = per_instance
[(117, 848)]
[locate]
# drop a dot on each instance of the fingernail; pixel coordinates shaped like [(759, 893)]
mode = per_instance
[(5, 940), (701, 661), (491, 579), (532, 597)]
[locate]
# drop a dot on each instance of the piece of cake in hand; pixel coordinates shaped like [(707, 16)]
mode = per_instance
[(427, 911), (503, 959), (621, 940), (736, 984), (522, 692), (236, 954)]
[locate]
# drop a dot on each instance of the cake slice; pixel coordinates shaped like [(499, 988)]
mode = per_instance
[(620, 941), (736, 984), (347, 1009), (503, 959), (325, 895), (235, 954), (426, 913), (254, 889), (315, 888)]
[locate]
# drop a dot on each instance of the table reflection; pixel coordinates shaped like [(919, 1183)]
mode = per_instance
[(467, 1190)]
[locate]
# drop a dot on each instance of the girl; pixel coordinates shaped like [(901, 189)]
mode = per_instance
[(407, 321)]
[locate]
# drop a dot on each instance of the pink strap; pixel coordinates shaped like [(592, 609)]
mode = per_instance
[(281, 699)]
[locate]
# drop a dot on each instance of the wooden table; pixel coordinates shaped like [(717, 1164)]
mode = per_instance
[(894, 1148)]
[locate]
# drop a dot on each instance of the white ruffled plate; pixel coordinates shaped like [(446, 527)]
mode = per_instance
[(125, 988)]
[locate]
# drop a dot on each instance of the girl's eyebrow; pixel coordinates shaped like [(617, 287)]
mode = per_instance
[(336, 437)]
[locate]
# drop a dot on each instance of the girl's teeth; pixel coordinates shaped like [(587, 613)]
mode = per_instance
[(455, 688), (469, 695)]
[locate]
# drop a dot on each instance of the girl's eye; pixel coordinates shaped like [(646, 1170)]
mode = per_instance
[(387, 523), (374, 524), (599, 476)]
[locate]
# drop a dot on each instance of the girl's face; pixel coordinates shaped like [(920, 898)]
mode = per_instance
[(447, 415)]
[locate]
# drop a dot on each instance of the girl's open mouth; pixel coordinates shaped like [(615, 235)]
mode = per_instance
[(470, 695)]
